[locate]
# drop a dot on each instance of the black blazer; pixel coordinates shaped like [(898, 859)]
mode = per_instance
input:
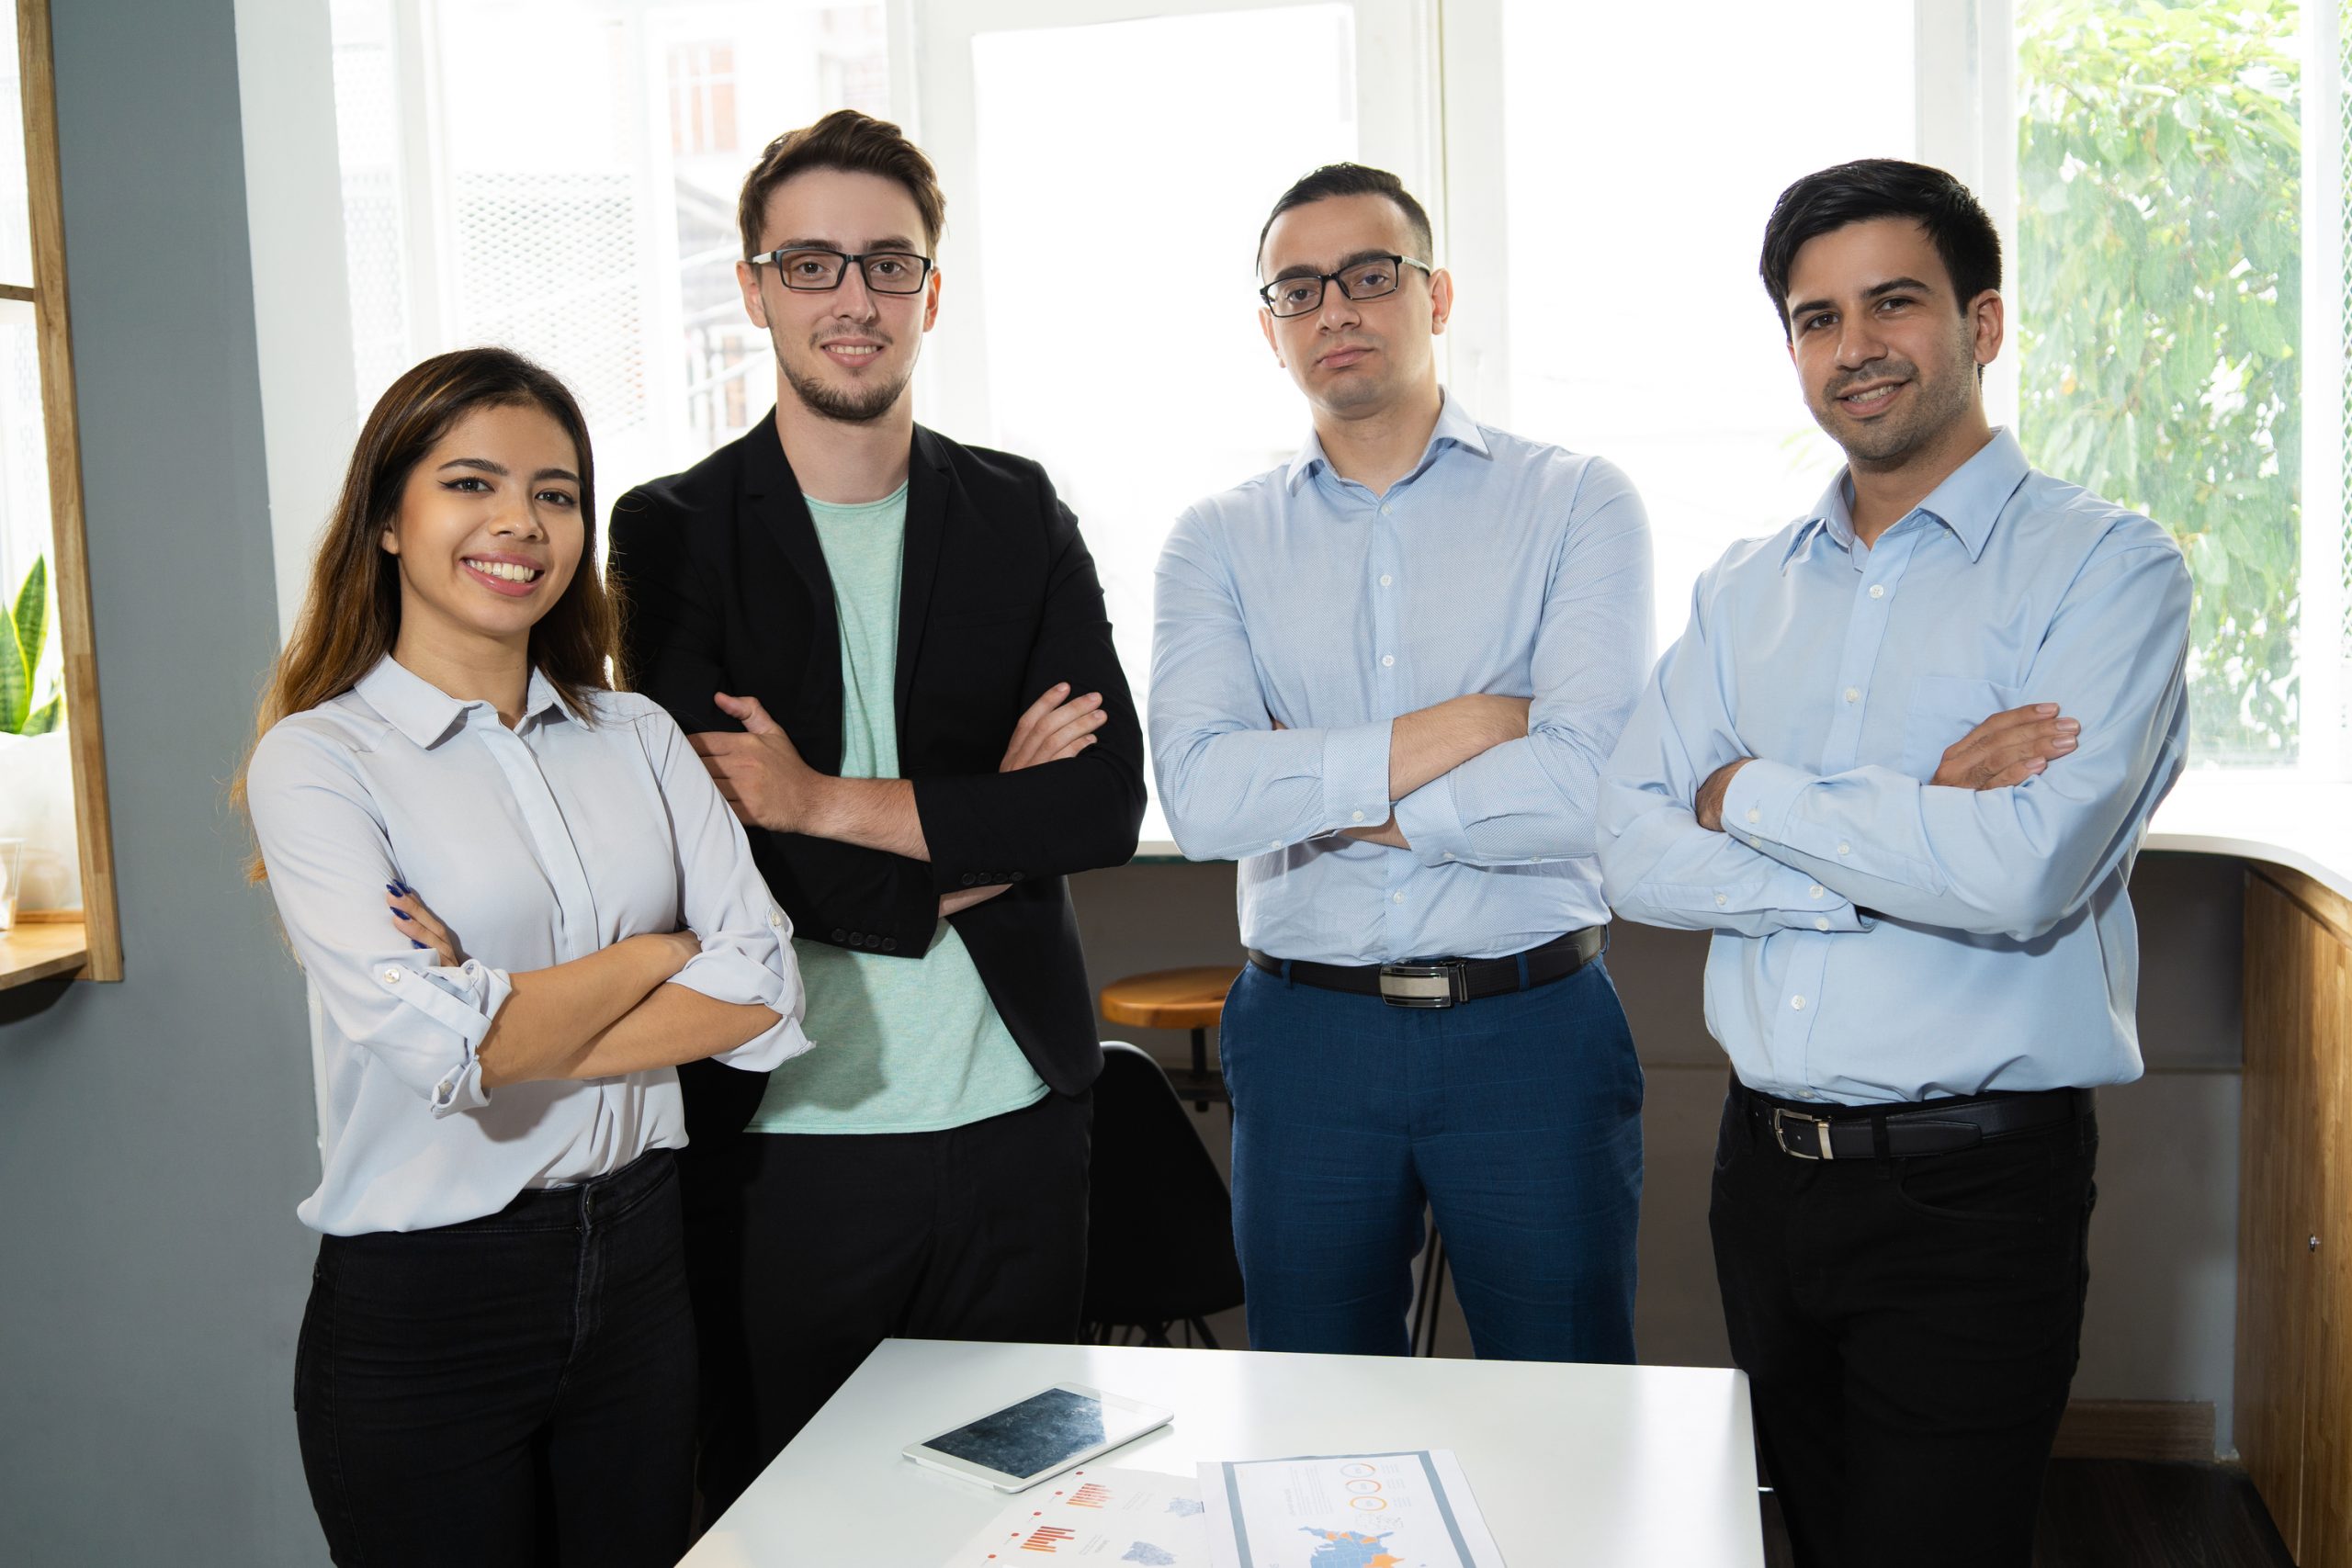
[(724, 588)]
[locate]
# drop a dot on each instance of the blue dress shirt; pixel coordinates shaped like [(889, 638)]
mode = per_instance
[(536, 846), (1498, 565), (1878, 938)]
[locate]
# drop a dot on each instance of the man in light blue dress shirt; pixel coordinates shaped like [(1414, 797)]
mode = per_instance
[(1900, 765), (1385, 678)]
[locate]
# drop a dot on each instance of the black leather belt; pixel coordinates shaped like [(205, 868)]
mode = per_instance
[(1446, 982), (1805, 1130)]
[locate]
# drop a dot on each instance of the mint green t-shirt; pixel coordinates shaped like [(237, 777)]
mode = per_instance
[(903, 1045)]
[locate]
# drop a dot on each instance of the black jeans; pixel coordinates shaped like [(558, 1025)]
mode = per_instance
[(1909, 1328), (515, 1390), (809, 1249)]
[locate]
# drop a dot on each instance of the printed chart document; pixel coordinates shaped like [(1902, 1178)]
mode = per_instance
[(1396, 1510), (1097, 1515)]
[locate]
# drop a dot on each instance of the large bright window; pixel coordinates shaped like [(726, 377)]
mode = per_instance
[(2168, 179), (559, 176)]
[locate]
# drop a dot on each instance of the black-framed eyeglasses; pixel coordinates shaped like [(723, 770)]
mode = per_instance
[(816, 272), (1367, 278)]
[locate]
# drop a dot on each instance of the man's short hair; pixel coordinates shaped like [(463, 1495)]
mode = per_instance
[(849, 140), (1354, 180), (1882, 187)]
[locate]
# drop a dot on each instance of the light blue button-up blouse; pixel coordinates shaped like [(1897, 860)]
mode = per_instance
[(536, 846), (1879, 938)]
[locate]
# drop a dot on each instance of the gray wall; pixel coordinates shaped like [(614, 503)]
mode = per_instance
[(2162, 1315), (155, 1134)]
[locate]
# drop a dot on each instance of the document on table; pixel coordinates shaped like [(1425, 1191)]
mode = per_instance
[(1099, 1515), (1392, 1510)]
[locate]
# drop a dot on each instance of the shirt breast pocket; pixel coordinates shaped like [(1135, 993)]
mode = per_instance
[(1942, 709)]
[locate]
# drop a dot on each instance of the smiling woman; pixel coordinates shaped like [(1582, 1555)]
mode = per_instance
[(441, 726)]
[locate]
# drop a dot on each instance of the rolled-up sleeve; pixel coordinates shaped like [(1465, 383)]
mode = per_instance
[(330, 861), (746, 957), (1231, 784)]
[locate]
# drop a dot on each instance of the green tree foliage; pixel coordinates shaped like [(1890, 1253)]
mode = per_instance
[(2159, 239)]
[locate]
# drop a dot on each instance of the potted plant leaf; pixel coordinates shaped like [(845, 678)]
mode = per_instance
[(36, 769)]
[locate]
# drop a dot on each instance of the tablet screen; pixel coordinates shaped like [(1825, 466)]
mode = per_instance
[(1040, 1433)]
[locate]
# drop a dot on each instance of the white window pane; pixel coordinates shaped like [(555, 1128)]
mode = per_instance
[(15, 231), (24, 477), (2161, 319), (1645, 147), (582, 210), (1118, 265)]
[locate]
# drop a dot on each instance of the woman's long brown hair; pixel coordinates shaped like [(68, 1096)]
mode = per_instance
[(351, 617)]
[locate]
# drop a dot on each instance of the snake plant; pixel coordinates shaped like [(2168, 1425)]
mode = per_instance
[(22, 639)]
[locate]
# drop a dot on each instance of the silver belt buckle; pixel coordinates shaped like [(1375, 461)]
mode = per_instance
[(1782, 1116), (1427, 984)]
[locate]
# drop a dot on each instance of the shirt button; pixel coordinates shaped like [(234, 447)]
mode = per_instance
[(1273, 843), (1797, 1002), (1845, 849), (1877, 589), (1383, 509), (1821, 923), (1807, 1094), (392, 976), (1387, 659), (1753, 843), (1755, 813), (775, 917), (1722, 898), (445, 1089), (1449, 854), (1397, 897), (1813, 891), (1853, 694), (1383, 580), (1357, 815)]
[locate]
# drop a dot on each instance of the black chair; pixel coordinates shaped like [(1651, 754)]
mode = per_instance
[(1160, 1227)]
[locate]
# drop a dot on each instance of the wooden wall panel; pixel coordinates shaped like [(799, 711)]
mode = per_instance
[(2294, 1373), (2276, 1298)]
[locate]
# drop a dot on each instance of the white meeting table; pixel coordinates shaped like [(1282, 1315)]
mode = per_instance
[(1573, 1466)]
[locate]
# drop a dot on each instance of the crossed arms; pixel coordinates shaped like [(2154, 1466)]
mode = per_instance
[(1483, 779), (2019, 823)]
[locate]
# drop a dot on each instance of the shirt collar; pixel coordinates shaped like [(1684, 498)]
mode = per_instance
[(1454, 427), (425, 713), (1968, 502)]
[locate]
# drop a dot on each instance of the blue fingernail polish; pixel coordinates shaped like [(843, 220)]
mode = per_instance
[(393, 888), (400, 914), (413, 942)]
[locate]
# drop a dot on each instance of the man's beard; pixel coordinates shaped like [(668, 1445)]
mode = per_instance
[(861, 407)]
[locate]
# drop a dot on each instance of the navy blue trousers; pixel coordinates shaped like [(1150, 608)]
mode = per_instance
[(1515, 1120)]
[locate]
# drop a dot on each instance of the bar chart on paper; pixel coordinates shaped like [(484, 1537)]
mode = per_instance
[(1392, 1510)]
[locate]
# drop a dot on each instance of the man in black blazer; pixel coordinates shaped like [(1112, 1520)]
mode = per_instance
[(892, 652)]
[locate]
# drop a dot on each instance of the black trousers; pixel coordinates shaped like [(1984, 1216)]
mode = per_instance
[(806, 1250), (1909, 1328), (515, 1390)]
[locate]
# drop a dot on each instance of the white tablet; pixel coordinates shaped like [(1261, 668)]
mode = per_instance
[(1040, 1436)]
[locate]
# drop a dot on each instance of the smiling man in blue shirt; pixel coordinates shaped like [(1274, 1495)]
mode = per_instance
[(1384, 677), (1900, 763)]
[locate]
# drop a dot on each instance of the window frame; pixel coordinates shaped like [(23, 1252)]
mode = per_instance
[(86, 943)]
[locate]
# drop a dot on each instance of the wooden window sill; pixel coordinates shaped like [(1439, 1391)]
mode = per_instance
[(42, 948)]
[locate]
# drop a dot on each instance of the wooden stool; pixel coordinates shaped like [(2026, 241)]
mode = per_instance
[(1178, 999)]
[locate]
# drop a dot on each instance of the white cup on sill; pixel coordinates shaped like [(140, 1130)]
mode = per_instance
[(12, 871)]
